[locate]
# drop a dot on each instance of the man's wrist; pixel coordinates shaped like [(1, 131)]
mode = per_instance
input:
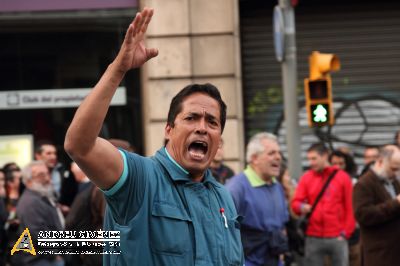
[(113, 67)]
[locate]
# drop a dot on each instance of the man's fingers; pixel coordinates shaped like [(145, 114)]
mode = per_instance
[(140, 19), (150, 53), (140, 24), (136, 24), (132, 29), (147, 20), (128, 34), (137, 29)]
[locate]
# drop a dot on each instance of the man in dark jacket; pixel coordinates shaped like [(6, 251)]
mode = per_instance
[(376, 201), (37, 211)]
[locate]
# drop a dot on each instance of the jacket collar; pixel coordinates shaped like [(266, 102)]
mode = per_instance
[(326, 171), (255, 180), (177, 172)]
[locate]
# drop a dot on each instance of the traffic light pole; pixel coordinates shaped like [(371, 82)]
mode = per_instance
[(289, 81)]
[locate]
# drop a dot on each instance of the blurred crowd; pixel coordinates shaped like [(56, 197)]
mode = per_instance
[(352, 215), (48, 195)]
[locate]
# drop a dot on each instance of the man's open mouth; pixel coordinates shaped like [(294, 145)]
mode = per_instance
[(275, 165), (198, 149)]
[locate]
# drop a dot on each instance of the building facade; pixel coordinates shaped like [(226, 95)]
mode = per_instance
[(54, 45)]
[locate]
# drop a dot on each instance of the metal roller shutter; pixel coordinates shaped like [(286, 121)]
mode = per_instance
[(365, 36)]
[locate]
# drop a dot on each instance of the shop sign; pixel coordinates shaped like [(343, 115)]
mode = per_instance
[(58, 98)]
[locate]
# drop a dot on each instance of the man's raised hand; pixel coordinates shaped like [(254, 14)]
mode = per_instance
[(133, 53)]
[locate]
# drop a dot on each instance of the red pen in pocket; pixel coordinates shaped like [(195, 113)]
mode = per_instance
[(222, 211)]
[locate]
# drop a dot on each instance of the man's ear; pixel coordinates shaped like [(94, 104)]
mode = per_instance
[(254, 158), (167, 131), (221, 143)]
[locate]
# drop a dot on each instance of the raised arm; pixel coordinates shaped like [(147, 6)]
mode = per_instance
[(98, 158)]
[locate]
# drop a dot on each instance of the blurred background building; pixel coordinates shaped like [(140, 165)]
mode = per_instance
[(58, 49)]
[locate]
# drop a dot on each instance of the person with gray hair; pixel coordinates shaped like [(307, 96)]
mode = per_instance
[(37, 211), (261, 200), (376, 201), (255, 144)]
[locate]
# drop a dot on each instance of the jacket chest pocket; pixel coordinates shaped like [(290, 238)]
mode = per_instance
[(169, 230), (233, 243)]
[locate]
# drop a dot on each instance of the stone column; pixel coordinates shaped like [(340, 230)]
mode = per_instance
[(198, 42)]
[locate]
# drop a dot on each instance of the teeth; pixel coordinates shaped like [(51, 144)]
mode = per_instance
[(197, 155)]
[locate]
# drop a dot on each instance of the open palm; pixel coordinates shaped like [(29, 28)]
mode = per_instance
[(133, 53)]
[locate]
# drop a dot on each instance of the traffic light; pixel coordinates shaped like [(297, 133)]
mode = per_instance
[(319, 102), (318, 89)]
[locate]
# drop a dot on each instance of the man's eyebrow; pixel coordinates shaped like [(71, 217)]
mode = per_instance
[(211, 116), (193, 113), (199, 114)]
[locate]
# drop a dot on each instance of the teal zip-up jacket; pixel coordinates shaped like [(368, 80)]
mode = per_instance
[(164, 218)]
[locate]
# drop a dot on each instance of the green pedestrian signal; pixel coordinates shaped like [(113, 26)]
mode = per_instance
[(320, 113)]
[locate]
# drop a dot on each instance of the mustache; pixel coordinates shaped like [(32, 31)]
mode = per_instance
[(44, 190)]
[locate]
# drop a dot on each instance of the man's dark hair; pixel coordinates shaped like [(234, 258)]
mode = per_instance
[(319, 148), (176, 104), (9, 176), (39, 145), (11, 166), (372, 147)]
